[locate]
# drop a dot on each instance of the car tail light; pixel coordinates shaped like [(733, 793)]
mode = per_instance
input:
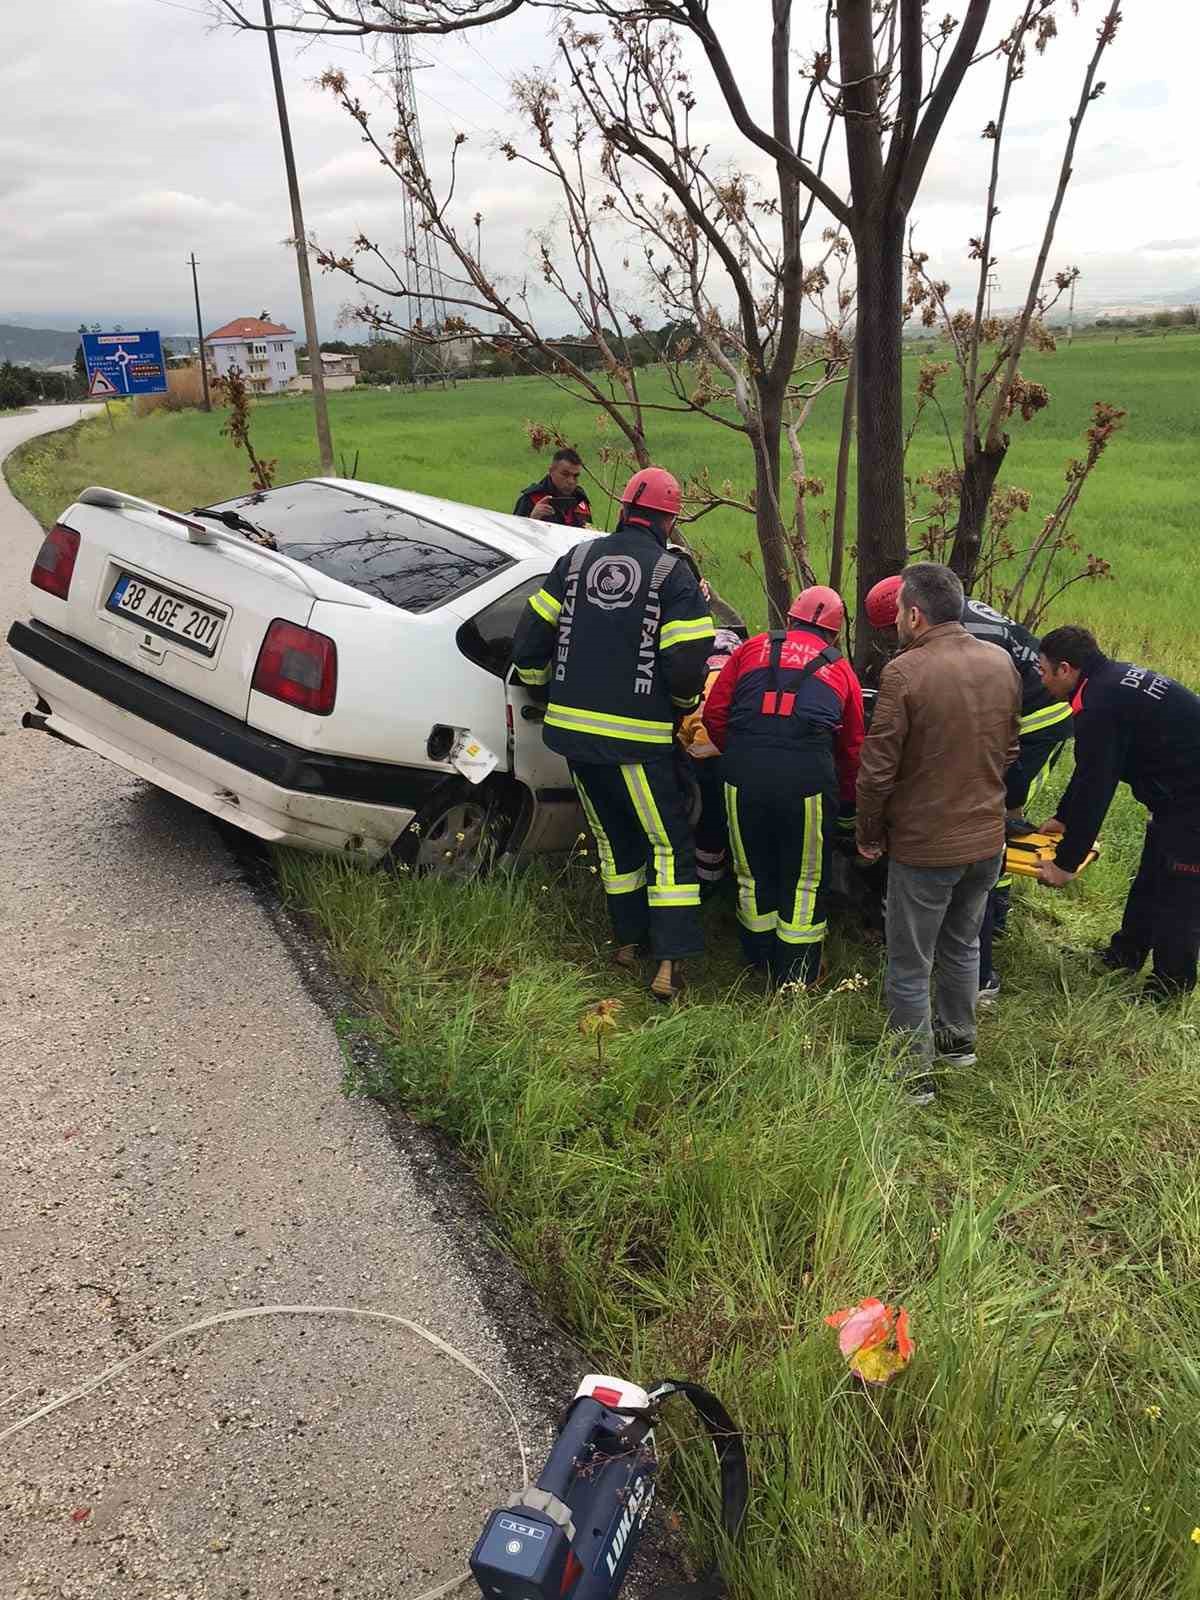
[(298, 666), (55, 564)]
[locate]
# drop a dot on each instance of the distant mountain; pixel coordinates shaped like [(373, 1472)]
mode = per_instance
[(36, 347), (54, 347)]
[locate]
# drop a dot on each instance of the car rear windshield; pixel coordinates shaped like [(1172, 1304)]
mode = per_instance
[(380, 549)]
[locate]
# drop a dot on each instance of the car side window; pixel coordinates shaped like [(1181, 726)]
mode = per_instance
[(487, 639)]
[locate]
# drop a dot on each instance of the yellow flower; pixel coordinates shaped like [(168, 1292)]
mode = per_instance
[(1196, 1535), (1154, 1412)]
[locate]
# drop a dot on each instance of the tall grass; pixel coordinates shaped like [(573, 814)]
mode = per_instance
[(729, 1172), (185, 389)]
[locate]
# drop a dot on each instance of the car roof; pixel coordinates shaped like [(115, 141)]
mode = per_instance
[(520, 538)]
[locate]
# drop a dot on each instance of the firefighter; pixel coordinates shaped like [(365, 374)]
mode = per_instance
[(557, 497), (703, 766), (1134, 726), (619, 634), (1045, 729), (787, 715)]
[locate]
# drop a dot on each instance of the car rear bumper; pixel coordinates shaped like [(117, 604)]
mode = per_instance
[(274, 790)]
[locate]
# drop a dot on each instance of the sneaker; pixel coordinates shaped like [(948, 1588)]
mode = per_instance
[(919, 1089), (953, 1051), (989, 990)]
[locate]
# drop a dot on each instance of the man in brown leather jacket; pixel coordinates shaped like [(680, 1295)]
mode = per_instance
[(931, 794)]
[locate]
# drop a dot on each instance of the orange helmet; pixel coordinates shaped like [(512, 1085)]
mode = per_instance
[(883, 602), (653, 489), (820, 606)]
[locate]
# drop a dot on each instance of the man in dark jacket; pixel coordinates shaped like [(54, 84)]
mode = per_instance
[(787, 714), (557, 497), (620, 634), (1134, 726), (931, 793)]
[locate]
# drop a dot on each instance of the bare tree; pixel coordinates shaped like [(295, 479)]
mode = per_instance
[(1022, 581), (469, 293), (897, 75), (757, 373), (713, 236), (987, 350)]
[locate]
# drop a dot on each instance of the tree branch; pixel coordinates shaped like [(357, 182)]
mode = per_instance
[(1087, 94), (337, 24), (940, 101)]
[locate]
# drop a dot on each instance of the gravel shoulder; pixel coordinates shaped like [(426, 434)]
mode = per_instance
[(176, 1144)]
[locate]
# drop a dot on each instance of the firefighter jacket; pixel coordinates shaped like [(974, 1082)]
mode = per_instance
[(1045, 723), (571, 510), (619, 633), (1132, 726), (788, 691)]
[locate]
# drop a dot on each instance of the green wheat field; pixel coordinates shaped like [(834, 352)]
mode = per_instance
[(694, 1194)]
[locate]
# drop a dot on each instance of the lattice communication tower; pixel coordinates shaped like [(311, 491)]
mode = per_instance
[(427, 301)]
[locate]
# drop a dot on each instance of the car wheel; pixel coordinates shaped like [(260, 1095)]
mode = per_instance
[(459, 834)]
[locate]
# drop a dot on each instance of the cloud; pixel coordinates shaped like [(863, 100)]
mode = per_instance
[(160, 137)]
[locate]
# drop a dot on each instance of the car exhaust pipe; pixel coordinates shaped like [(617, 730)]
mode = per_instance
[(37, 721)]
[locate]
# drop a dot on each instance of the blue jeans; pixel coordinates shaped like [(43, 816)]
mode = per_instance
[(934, 915)]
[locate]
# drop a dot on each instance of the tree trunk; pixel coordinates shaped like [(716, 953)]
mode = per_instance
[(978, 479), (772, 535), (879, 244), (837, 552)]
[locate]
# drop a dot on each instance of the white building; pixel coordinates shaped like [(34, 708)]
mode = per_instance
[(339, 371), (264, 351)]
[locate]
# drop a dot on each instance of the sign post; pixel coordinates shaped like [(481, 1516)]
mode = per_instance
[(120, 364)]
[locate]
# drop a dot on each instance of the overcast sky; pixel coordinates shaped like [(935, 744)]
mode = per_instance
[(132, 132)]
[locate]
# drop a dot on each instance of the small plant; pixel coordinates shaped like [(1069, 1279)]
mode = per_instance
[(597, 1021), (232, 390)]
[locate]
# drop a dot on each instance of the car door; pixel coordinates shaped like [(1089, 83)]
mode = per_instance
[(487, 639)]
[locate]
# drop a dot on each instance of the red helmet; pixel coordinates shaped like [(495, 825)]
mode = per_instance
[(653, 489), (883, 602), (819, 605)]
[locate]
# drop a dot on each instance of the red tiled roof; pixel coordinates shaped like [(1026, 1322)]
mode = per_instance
[(248, 328)]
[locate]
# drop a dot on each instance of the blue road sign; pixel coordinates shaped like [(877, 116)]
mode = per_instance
[(124, 363)]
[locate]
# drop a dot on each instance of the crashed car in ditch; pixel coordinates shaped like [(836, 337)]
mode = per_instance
[(323, 664)]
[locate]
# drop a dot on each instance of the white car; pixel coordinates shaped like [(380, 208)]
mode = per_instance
[(319, 664)]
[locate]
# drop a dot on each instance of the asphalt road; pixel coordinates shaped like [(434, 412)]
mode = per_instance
[(174, 1143)]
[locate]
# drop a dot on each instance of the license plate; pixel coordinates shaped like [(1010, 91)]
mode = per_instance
[(173, 616)]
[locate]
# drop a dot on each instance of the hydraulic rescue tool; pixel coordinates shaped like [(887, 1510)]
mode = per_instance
[(573, 1534)]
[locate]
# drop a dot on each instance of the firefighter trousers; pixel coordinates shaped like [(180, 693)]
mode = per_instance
[(638, 818), (781, 840), (1162, 913)]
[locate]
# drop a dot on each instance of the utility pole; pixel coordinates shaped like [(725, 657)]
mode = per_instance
[(993, 282), (315, 367), (1071, 311), (200, 335)]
